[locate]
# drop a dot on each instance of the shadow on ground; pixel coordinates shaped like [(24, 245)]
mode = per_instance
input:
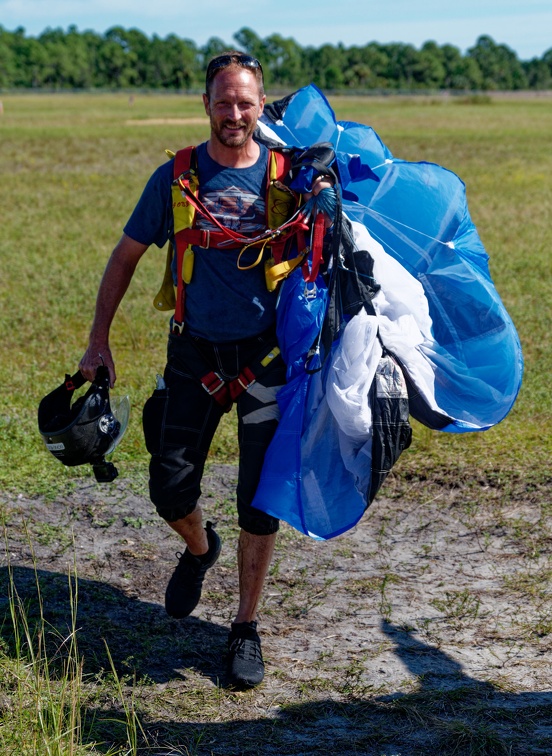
[(450, 712), (142, 640)]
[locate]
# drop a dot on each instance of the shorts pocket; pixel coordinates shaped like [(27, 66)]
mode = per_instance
[(153, 420)]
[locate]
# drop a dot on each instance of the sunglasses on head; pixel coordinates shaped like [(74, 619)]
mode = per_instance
[(247, 61)]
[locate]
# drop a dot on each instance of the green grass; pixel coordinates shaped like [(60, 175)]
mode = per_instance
[(72, 168), (49, 705)]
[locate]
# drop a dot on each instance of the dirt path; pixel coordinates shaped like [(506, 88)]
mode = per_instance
[(427, 629)]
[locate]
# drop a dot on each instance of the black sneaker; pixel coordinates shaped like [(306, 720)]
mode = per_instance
[(184, 588), (245, 660)]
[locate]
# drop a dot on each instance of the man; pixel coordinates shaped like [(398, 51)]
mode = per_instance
[(229, 318)]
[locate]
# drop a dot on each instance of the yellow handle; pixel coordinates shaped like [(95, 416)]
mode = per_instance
[(188, 265), (276, 273)]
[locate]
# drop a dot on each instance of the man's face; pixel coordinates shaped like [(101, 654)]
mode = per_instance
[(234, 106)]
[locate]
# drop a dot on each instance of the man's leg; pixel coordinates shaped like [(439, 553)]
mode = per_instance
[(258, 418), (245, 659), (254, 557), (180, 420), (184, 588), (191, 530)]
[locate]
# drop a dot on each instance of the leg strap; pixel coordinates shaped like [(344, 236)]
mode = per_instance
[(226, 392)]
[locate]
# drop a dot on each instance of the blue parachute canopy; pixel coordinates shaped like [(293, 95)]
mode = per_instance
[(435, 315), (418, 213)]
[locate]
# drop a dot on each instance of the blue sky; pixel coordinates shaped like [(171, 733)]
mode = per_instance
[(525, 26)]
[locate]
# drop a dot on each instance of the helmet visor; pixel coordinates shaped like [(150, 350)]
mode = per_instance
[(120, 408)]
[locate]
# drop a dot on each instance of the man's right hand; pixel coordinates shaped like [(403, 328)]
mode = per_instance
[(97, 355)]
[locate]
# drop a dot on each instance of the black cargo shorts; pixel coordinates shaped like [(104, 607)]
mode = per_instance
[(180, 419)]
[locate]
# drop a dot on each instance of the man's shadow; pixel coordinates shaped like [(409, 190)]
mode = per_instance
[(450, 712), (433, 668), (112, 630)]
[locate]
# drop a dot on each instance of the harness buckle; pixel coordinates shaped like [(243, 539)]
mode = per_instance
[(310, 291), (205, 242), (245, 386), (212, 382), (218, 389), (184, 178), (242, 383), (177, 328)]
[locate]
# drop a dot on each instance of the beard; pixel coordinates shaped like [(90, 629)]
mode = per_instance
[(232, 139)]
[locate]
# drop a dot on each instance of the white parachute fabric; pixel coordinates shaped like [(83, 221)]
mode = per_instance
[(351, 374)]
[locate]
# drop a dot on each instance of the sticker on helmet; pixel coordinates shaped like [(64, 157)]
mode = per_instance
[(108, 424)]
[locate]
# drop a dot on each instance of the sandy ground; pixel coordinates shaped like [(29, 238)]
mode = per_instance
[(426, 629)]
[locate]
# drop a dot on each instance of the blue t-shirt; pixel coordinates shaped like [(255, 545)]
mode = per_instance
[(223, 303)]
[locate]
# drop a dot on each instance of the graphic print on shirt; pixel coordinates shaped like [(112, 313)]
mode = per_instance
[(236, 209)]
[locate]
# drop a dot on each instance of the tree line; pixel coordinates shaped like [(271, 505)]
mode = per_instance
[(127, 58)]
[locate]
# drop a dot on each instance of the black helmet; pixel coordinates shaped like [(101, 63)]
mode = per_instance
[(89, 429)]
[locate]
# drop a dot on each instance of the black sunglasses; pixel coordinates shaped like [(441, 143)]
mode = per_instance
[(247, 61)]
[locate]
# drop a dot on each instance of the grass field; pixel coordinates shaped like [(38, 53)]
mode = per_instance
[(453, 563), (72, 168)]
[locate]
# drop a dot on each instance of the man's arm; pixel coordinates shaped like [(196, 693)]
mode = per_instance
[(115, 281)]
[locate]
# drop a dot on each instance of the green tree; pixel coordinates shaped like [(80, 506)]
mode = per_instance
[(31, 60), (547, 59), (325, 66), (499, 66), (135, 42), (7, 60), (82, 58), (117, 62), (213, 47), (538, 73), (401, 67), (127, 57), (461, 73), (366, 67), (284, 61), (67, 60), (429, 70), (173, 63), (251, 43)]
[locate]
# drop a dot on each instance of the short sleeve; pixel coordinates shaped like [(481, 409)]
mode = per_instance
[(151, 221)]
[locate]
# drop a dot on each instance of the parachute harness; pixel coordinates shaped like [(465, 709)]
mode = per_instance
[(284, 221), (306, 224)]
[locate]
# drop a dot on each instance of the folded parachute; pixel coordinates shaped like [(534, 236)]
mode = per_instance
[(430, 337)]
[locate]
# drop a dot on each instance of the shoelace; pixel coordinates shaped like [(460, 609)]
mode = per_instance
[(187, 562), (246, 649)]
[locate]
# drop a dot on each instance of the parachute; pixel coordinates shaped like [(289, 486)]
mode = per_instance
[(429, 337)]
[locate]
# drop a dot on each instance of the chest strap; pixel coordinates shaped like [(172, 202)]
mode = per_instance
[(206, 238), (283, 225)]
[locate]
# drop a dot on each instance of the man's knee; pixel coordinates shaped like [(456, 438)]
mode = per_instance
[(174, 489), (171, 512), (255, 522)]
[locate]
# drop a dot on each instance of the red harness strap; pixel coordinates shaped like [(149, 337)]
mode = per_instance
[(224, 392), (227, 239), (317, 245), (203, 238)]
